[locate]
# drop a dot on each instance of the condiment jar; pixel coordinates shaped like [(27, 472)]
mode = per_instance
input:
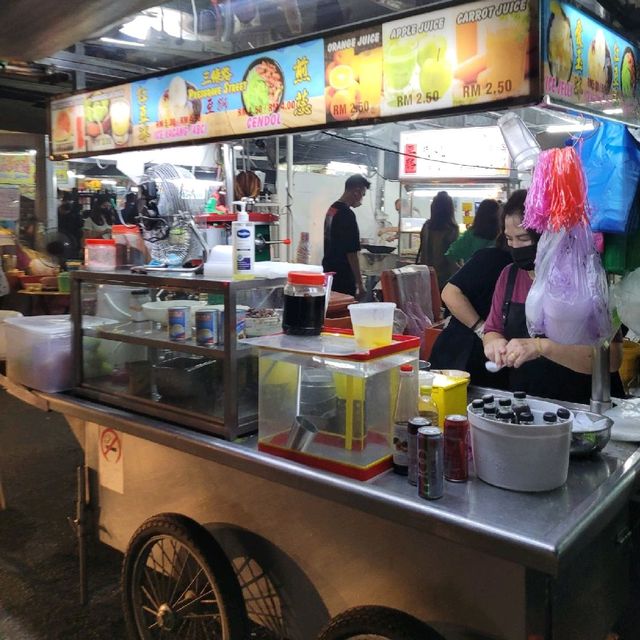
[(129, 245), (304, 303), (100, 254)]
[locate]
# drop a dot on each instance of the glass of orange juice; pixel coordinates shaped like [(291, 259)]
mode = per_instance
[(372, 323)]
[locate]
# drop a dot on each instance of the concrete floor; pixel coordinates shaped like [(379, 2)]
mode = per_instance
[(39, 587), (38, 564)]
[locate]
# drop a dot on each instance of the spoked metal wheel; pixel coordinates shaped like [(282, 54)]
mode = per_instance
[(178, 583)]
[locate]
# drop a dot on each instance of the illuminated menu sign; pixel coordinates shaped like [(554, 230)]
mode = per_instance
[(471, 54), (473, 152), (587, 64)]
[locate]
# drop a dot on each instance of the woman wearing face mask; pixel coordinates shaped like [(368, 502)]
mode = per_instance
[(535, 364)]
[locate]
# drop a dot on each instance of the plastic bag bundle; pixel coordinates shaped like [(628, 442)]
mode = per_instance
[(626, 298), (557, 197), (611, 158), (568, 301)]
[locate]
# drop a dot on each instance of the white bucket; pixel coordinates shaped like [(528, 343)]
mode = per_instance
[(519, 457), (3, 340)]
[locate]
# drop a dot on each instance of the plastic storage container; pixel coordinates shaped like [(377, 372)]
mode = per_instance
[(449, 392), (304, 303), (39, 350), (130, 250), (519, 457), (100, 254), (5, 315), (324, 404)]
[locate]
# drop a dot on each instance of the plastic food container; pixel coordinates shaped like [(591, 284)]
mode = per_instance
[(129, 245), (39, 350), (100, 254), (4, 315), (518, 457)]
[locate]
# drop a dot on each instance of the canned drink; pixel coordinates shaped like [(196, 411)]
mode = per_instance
[(412, 446), (206, 326), (179, 323), (430, 463), (456, 448)]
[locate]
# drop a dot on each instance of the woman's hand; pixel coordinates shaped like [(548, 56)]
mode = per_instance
[(494, 349), (520, 350)]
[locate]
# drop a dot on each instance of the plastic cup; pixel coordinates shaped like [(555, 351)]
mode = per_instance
[(372, 323), (64, 284)]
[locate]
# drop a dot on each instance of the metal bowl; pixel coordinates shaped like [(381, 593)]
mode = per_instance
[(585, 441), (378, 248)]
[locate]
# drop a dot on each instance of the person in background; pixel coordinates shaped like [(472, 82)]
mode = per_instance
[(130, 210), (342, 238), (468, 296), (482, 233), (70, 223), (436, 236), (535, 364), (100, 219)]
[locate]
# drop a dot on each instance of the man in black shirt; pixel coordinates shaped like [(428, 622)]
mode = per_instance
[(342, 238)]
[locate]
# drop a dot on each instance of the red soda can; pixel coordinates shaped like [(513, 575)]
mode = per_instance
[(456, 448)]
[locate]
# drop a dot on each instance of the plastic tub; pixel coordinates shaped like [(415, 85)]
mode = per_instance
[(372, 323), (99, 254), (39, 350), (522, 458)]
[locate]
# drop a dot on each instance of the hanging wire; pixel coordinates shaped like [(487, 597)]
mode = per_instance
[(410, 155)]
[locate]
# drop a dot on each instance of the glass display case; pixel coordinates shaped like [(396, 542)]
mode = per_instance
[(175, 349)]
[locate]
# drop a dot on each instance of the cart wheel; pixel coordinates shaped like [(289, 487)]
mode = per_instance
[(377, 623), (178, 583)]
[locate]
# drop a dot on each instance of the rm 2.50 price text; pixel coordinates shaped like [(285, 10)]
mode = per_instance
[(476, 90)]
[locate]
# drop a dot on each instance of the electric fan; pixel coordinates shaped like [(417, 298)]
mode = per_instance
[(166, 205)]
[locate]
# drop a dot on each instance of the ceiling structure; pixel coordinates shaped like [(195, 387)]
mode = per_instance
[(51, 48)]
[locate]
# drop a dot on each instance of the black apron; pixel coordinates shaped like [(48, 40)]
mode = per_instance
[(458, 347), (539, 377)]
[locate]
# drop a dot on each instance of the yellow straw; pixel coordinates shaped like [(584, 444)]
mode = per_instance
[(348, 436)]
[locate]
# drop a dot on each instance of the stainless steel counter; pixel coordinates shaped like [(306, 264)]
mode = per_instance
[(539, 531)]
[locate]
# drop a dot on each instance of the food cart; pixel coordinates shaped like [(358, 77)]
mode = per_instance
[(219, 536)]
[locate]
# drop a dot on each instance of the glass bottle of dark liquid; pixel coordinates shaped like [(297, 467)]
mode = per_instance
[(304, 304), (405, 409)]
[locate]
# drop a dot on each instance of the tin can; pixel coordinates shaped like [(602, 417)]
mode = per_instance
[(206, 326), (456, 448), (430, 463), (179, 323), (412, 446)]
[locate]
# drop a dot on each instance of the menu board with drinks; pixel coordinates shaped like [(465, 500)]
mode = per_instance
[(469, 54), (464, 55), (586, 64)]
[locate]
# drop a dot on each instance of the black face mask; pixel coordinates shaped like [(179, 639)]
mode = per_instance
[(524, 257)]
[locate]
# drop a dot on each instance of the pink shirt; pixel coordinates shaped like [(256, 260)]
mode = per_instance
[(521, 289)]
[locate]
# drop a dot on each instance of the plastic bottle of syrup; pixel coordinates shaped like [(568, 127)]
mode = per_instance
[(427, 407), (405, 409), (244, 244)]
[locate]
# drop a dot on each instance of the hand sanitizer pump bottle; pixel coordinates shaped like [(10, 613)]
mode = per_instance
[(244, 244)]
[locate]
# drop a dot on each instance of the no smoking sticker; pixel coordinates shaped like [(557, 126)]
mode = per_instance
[(110, 459), (110, 445)]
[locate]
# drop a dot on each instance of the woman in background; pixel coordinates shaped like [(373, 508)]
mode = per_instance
[(101, 216), (436, 236), (468, 296), (482, 233)]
